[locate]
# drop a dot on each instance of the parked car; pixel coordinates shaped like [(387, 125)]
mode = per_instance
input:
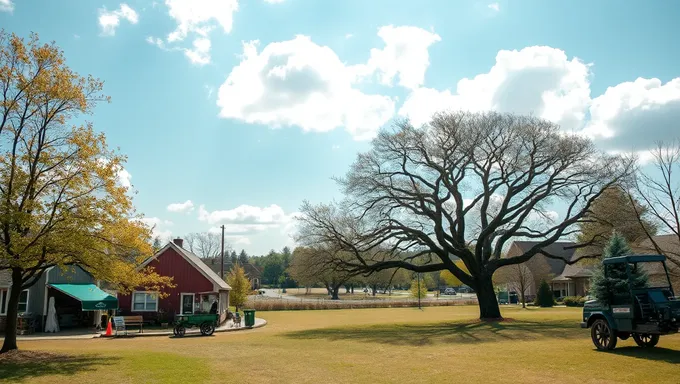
[(449, 291), (465, 289)]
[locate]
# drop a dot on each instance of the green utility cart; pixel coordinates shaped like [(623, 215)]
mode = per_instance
[(643, 313), (206, 322)]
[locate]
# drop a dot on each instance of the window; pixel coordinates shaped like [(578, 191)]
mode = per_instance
[(144, 302), (23, 301), (4, 301), (4, 298)]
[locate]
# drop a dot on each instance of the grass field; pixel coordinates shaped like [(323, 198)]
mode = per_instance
[(405, 345)]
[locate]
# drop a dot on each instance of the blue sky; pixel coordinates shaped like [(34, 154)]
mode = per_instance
[(233, 112)]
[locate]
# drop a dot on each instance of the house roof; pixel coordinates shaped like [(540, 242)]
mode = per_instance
[(5, 278), (251, 270), (195, 261), (559, 249)]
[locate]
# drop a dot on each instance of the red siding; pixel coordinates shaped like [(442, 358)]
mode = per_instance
[(186, 278)]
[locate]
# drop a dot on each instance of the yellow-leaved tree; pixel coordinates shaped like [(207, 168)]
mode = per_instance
[(60, 200), (240, 286), (449, 278)]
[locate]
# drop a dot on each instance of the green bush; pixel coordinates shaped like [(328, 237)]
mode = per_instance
[(544, 298), (574, 301)]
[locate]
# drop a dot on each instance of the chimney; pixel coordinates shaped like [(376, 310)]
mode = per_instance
[(178, 242)]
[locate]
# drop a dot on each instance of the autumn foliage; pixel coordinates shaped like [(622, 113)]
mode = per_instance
[(60, 199)]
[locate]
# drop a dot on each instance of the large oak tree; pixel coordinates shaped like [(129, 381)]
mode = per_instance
[(60, 201), (463, 186)]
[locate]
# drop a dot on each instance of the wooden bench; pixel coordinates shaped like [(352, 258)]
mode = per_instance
[(135, 321)]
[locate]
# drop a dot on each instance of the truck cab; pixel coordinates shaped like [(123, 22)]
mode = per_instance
[(644, 313)]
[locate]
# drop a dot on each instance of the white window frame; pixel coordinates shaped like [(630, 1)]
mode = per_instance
[(181, 302), (28, 298), (4, 293), (132, 301)]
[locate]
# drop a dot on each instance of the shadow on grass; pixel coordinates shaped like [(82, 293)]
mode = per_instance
[(428, 334), (17, 366), (657, 354)]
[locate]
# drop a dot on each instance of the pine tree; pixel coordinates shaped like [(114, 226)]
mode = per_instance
[(544, 298), (616, 282)]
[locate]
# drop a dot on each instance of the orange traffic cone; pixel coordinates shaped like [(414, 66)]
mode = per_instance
[(109, 331)]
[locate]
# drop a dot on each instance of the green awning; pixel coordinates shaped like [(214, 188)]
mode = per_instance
[(90, 296)]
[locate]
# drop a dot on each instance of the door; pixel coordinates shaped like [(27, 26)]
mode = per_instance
[(187, 303)]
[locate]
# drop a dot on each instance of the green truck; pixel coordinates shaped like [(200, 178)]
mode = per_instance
[(645, 313)]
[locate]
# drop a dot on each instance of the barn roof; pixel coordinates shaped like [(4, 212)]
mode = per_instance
[(195, 261)]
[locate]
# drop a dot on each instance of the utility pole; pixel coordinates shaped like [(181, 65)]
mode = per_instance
[(222, 257)]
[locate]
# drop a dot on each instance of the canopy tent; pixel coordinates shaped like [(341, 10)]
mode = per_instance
[(90, 296)]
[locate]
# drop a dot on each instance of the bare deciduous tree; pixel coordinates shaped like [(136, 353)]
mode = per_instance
[(465, 186), (205, 244), (660, 192), (310, 266)]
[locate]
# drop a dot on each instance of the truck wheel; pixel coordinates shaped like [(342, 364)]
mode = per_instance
[(645, 340), (603, 336)]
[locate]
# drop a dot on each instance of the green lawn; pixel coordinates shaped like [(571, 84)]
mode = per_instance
[(405, 345)]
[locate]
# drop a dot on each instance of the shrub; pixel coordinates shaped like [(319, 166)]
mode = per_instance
[(574, 301), (544, 298), (418, 289)]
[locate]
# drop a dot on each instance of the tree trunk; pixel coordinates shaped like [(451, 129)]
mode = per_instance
[(374, 289), (488, 303), (10, 342), (346, 288), (352, 286), (335, 290), (524, 303)]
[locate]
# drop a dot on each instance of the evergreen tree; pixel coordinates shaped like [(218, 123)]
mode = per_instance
[(233, 257), (157, 245), (616, 282), (243, 257), (544, 298)]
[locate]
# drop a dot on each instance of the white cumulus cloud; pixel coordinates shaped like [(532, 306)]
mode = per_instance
[(298, 82), (6, 6), (110, 20), (405, 55), (245, 221), (186, 206), (536, 80), (494, 6), (636, 114), (200, 54), (158, 227), (198, 18)]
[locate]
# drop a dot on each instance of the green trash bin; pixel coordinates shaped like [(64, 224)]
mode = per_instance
[(249, 317)]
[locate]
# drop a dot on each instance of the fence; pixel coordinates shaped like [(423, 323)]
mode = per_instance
[(273, 304)]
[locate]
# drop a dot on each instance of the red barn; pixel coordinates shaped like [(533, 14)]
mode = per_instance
[(197, 288)]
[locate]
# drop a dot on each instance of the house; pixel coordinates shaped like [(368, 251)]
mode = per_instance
[(565, 280), (79, 301), (253, 273), (670, 247), (197, 287)]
